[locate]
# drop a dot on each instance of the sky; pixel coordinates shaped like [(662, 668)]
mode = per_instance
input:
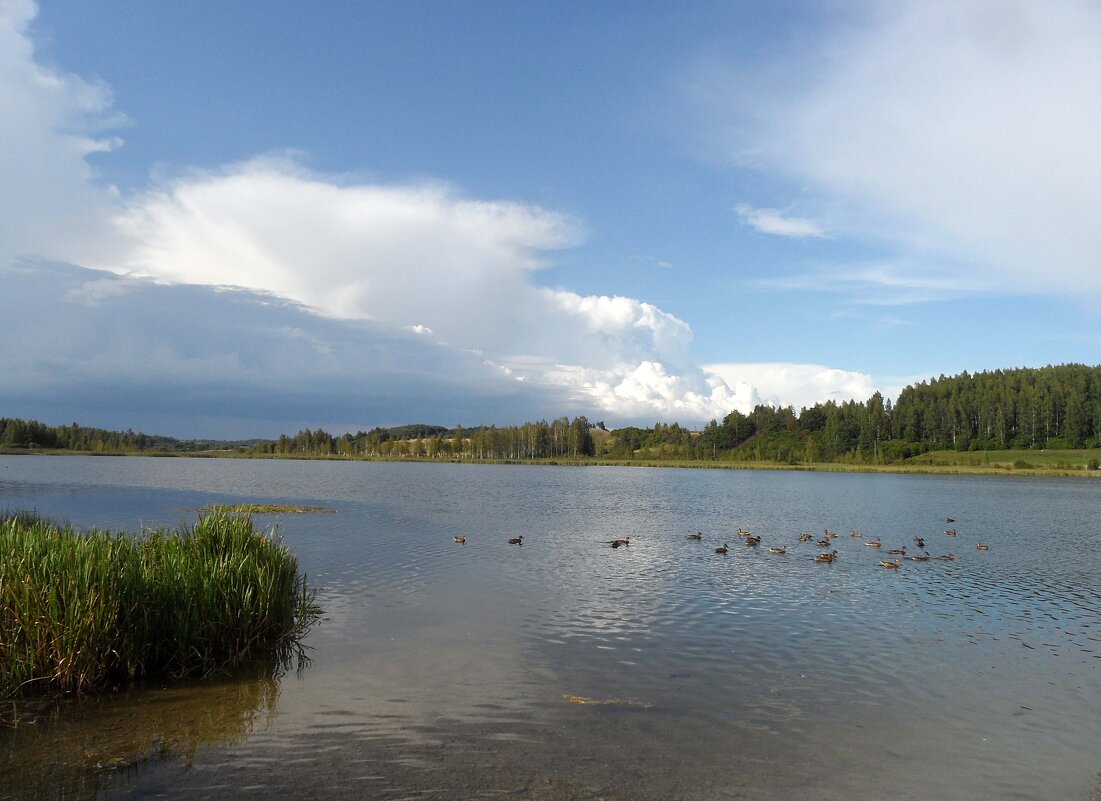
[(231, 220)]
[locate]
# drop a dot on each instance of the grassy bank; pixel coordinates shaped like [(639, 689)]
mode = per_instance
[(1080, 463), (89, 610)]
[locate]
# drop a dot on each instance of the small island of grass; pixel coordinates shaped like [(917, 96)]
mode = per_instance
[(90, 610), (265, 509)]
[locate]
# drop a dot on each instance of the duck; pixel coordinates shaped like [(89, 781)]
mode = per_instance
[(919, 542), (946, 557), (856, 534), (743, 532), (624, 541), (895, 551), (697, 536), (778, 549), (919, 557), (461, 540), (825, 542), (873, 543), (826, 557), (723, 550), (516, 540), (751, 541), (828, 533), (980, 547), (806, 536), (949, 520), (951, 532), (895, 565)]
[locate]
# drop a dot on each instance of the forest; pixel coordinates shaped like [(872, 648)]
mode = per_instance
[(1049, 408)]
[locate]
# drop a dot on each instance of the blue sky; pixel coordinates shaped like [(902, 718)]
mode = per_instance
[(226, 219)]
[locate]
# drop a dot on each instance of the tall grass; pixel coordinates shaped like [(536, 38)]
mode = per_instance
[(88, 610)]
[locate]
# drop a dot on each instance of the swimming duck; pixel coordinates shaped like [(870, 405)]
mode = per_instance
[(806, 536), (697, 536), (919, 542), (460, 539), (873, 543), (919, 557), (950, 532), (949, 520), (751, 541), (895, 565), (895, 551), (826, 557), (825, 542), (743, 532), (828, 533), (946, 557), (980, 547), (723, 549), (856, 534), (624, 541), (516, 540), (778, 549)]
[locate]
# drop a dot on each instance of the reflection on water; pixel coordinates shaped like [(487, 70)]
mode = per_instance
[(74, 748), (444, 670)]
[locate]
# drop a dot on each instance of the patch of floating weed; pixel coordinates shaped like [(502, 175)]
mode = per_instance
[(266, 509)]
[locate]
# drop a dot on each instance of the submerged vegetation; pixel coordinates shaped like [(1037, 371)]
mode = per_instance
[(266, 509), (88, 610), (982, 422)]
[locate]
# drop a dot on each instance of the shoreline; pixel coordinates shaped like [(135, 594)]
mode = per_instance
[(991, 469)]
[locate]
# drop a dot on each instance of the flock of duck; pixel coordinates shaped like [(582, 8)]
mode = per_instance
[(830, 555), (825, 542)]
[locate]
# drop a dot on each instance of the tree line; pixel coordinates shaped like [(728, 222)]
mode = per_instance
[(559, 439), (1052, 407)]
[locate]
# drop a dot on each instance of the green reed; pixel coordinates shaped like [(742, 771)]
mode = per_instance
[(83, 610)]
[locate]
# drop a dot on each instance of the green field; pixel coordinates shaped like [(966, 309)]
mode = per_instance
[(1071, 460)]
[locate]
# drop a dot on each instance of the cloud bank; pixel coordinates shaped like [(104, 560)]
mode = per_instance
[(262, 296)]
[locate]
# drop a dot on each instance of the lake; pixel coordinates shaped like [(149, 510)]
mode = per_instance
[(566, 669)]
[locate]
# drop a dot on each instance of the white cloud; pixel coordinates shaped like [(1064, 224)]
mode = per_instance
[(777, 223), (960, 132), (388, 253), (797, 385), (423, 259), (263, 289), (51, 121), (884, 284)]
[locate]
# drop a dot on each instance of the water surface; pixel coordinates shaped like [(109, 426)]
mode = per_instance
[(566, 669)]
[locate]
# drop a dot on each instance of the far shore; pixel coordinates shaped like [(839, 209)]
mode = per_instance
[(994, 463)]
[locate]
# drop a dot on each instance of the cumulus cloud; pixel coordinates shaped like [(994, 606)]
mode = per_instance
[(388, 253), (777, 223), (422, 259), (264, 291), (406, 291), (964, 132), (797, 385)]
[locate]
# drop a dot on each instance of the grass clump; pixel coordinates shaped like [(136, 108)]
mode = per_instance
[(266, 509), (86, 610)]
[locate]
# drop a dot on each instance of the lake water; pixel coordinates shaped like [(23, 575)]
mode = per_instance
[(567, 669)]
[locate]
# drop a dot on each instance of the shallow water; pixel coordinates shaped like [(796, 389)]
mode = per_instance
[(566, 669)]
